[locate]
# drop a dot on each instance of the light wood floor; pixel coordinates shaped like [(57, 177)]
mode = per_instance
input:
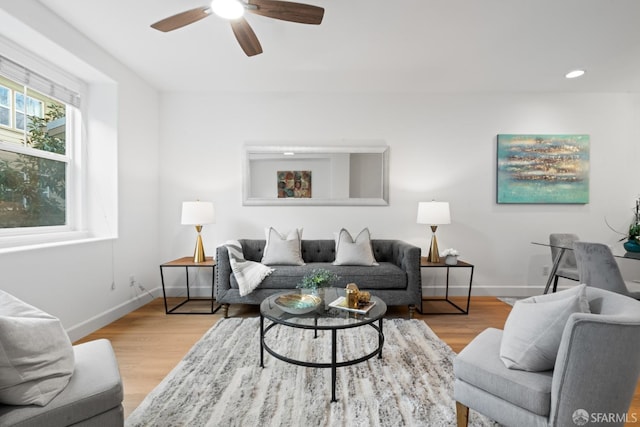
[(148, 343)]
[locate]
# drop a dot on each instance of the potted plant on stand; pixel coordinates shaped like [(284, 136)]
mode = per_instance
[(633, 237)]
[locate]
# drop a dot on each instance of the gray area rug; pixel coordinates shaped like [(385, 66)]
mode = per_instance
[(220, 382)]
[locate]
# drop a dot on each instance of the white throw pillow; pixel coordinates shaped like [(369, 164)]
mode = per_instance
[(533, 330), (354, 252), (36, 356), (283, 249)]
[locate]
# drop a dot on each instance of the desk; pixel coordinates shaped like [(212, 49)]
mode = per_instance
[(187, 262), (556, 261), (424, 263)]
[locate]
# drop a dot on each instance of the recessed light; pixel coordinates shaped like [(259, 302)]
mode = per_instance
[(289, 153), (573, 74)]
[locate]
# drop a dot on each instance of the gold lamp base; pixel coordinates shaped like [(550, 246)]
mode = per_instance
[(198, 254), (434, 253)]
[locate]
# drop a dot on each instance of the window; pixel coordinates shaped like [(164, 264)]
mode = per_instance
[(35, 164), (5, 106), (34, 108)]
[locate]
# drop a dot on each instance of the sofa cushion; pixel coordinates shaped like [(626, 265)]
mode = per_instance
[(350, 251), (533, 330), (283, 249), (386, 275), (479, 364), (36, 357)]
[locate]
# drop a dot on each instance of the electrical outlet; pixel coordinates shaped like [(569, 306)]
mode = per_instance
[(545, 270), (132, 280)]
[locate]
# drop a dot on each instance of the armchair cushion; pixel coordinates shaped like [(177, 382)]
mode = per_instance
[(36, 356), (533, 330), (479, 365)]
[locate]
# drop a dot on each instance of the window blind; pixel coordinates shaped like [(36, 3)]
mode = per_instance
[(22, 75)]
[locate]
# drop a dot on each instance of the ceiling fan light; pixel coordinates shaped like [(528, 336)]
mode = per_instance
[(227, 9)]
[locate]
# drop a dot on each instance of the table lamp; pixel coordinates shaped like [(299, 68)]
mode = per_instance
[(434, 213), (198, 213)]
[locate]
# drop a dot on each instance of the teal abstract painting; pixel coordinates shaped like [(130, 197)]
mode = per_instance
[(543, 169)]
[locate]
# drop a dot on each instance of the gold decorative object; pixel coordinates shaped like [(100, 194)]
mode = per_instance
[(363, 298), (352, 295)]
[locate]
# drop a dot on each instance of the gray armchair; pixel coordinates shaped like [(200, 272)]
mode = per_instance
[(93, 397), (597, 267), (567, 267), (596, 371)]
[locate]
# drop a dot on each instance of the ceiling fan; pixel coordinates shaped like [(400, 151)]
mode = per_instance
[(233, 10)]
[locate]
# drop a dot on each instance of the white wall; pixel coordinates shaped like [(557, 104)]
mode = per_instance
[(74, 282), (441, 147)]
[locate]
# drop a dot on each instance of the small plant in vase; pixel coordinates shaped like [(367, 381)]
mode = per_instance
[(633, 236), (450, 256), (318, 278)]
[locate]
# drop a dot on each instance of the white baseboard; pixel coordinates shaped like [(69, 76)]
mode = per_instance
[(83, 329)]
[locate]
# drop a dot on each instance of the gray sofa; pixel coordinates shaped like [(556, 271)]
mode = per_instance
[(396, 280)]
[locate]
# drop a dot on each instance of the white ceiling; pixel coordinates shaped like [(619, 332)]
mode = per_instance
[(375, 45)]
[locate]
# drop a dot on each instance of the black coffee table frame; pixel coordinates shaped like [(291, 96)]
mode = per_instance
[(334, 364)]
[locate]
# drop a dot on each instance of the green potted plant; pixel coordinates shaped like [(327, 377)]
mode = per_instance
[(318, 278), (633, 236)]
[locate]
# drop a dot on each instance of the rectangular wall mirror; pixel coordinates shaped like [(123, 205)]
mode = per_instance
[(316, 175)]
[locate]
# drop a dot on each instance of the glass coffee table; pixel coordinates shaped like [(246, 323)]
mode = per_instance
[(321, 318)]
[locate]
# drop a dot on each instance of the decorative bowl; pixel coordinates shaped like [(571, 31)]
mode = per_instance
[(298, 303)]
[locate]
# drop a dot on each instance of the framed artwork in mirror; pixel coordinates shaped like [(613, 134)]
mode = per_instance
[(295, 184)]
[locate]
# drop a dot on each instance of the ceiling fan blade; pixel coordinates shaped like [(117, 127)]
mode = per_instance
[(288, 11), (181, 19), (246, 37)]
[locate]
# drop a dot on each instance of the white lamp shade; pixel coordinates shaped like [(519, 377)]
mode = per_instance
[(198, 213), (434, 213)]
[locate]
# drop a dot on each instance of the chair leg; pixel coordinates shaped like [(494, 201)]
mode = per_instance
[(462, 414), (225, 310), (555, 284)]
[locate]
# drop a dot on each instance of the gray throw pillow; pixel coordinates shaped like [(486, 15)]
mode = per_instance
[(283, 249), (36, 356), (354, 252), (533, 330)]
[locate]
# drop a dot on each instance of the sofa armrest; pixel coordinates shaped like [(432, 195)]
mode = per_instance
[(223, 271), (407, 257), (409, 260)]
